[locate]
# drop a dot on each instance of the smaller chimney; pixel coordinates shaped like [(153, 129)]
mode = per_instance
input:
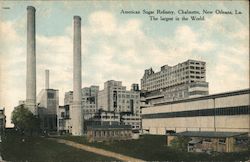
[(46, 79)]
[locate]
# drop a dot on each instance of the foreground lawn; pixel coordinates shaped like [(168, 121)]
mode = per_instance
[(41, 149), (153, 148)]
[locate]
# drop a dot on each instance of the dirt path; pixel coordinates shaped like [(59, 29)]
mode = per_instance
[(97, 150)]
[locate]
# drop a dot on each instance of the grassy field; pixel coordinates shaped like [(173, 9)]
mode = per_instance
[(153, 148), (41, 149)]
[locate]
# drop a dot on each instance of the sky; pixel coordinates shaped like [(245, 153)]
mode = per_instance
[(119, 46)]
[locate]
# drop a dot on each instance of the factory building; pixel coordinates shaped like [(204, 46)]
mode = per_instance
[(47, 105), (104, 118), (88, 105), (115, 97), (64, 125), (184, 80), (223, 112), (100, 133), (208, 141), (89, 100), (48, 102)]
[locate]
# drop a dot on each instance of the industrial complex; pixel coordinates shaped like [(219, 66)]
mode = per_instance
[(174, 102)]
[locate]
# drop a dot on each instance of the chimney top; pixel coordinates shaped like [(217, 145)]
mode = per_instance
[(77, 18), (31, 8)]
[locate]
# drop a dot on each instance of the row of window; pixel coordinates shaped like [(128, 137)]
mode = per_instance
[(127, 96), (204, 112), (155, 85), (198, 85), (173, 74), (198, 93), (111, 133)]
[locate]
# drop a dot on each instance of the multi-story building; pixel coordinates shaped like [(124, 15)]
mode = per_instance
[(184, 80), (115, 97), (104, 118), (89, 100), (89, 108), (63, 120), (48, 103), (48, 99)]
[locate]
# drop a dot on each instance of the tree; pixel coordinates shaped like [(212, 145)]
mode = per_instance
[(24, 120), (180, 143)]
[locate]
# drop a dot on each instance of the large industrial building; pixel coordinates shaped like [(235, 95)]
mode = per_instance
[(63, 120), (184, 80), (47, 105), (88, 105), (89, 100), (223, 112), (115, 97)]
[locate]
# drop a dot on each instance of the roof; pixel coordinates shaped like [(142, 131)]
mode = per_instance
[(101, 127), (194, 141), (209, 134), (212, 96)]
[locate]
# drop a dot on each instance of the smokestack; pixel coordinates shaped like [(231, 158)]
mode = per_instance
[(46, 79), (77, 116), (31, 60)]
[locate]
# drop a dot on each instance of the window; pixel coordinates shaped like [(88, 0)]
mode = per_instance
[(50, 95), (222, 141)]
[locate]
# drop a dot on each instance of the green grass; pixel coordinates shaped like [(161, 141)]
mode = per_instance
[(40, 149), (153, 148)]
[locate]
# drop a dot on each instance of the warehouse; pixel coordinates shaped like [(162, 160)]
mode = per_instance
[(224, 112)]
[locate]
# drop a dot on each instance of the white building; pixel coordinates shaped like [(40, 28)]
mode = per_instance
[(63, 120), (184, 80), (115, 97), (48, 103), (89, 100), (224, 112), (104, 118), (48, 99), (89, 108)]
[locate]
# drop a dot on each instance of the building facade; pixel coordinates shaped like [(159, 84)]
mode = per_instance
[(48, 103), (48, 99), (63, 120), (224, 112), (115, 97), (89, 100), (101, 133), (104, 118), (212, 141), (184, 80), (88, 105)]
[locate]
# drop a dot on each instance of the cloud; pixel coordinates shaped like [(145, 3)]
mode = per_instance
[(102, 22), (12, 67)]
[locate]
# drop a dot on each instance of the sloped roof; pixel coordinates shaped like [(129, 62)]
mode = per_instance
[(102, 127), (209, 134)]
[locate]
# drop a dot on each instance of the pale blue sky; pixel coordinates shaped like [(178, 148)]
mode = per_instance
[(121, 47)]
